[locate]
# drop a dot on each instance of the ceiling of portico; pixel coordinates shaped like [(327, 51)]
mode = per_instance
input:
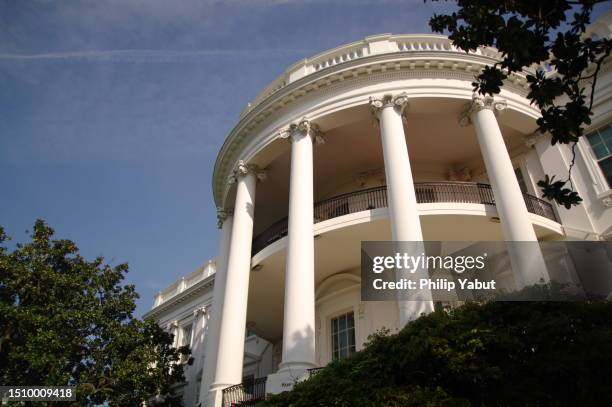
[(436, 143)]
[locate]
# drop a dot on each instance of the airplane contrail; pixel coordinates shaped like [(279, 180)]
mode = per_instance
[(143, 55)]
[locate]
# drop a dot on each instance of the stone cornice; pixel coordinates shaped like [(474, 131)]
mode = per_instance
[(175, 301), (421, 64)]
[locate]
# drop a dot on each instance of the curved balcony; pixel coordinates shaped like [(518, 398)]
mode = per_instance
[(245, 394), (426, 192)]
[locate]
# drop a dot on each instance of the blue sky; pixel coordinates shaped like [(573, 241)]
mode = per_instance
[(112, 112)]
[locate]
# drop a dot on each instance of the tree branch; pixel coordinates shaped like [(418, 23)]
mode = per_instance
[(598, 67), (572, 163)]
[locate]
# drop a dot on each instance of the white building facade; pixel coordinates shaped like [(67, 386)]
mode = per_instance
[(380, 139)]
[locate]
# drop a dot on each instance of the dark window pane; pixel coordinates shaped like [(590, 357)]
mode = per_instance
[(606, 168), (343, 335), (343, 340), (342, 322), (600, 150), (606, 134)]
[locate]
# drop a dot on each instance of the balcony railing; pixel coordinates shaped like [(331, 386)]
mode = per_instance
[(245, 394), (374, 198), (370, 46)]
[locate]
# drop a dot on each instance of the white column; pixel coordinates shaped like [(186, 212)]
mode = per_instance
[(173, 329), (527, 261), (197, 353), (213, 336), (401, 197), (299, 311), (200, 320), (230, 352)]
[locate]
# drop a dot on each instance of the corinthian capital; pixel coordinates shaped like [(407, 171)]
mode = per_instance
[(300, 129), (399, 102), (200, 311), (478, 103), (243, 169)]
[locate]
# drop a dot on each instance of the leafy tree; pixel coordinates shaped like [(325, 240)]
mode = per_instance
[(494, 354), (543, 33), (65, 320)]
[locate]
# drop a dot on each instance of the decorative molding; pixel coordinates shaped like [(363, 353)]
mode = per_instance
[(534, 138), (479, 103), (200, 311), (242, 169), (300, 129), (363, 177), (189, 293), (462, 174), (222, 215), (399, 102), (361, 310)]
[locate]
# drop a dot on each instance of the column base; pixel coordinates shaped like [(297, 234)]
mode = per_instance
[(215, 395), (286, 378)]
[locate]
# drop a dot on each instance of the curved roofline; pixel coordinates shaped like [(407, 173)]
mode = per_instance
[(371, 46)]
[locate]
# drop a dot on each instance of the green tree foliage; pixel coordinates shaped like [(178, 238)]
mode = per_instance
[(544, 33), (496, 354), (65, 320)]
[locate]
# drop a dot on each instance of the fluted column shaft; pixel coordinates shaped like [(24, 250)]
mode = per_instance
[(299, 311), (213, 336), (527, 260), (401, 196), (230, 354)]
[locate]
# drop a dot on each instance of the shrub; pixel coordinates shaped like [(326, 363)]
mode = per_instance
[(499, 353)]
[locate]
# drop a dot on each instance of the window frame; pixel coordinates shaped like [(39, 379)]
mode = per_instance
[(601, 179), (332, 334)]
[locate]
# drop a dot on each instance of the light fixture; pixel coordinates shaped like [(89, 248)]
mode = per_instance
[(494, 219)]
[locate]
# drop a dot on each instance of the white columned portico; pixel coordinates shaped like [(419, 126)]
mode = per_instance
[(299, 310), (212, 342), (527, 260), (230, 353), (401, 197)]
